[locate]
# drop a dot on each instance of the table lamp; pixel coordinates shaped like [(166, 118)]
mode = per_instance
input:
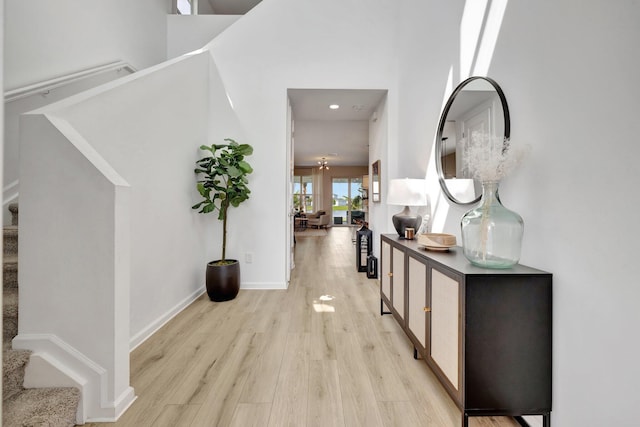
[(407, 192)]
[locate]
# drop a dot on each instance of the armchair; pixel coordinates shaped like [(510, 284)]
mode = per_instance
[(315, 214), (319, 221)]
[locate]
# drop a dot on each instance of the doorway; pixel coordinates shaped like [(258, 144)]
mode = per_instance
[(332, 127)]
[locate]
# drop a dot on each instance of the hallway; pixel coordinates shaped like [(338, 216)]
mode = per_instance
[(317, 354)]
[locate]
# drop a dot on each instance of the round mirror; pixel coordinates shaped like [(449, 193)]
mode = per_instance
[(476, 108)]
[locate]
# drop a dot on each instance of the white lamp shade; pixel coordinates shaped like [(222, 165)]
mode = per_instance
[(407, 192)]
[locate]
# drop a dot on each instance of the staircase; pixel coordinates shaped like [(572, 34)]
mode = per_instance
[(51, 407)]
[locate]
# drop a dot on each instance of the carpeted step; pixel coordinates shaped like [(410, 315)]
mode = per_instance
[(10, 271), (13, 208), (9, 314), (13, 365), (42, 407), (10, 240)]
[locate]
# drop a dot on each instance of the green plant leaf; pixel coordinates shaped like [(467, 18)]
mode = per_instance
[(245, 167), (202, 189), (233, 171), (244, 150), (223, 182)]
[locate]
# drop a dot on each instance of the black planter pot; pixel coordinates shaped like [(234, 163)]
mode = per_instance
[(223, 281)]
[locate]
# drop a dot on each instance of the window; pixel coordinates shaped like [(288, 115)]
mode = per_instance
[(303, 193), (347, 201), (184, 7)]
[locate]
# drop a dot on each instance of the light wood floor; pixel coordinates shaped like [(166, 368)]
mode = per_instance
[(317, 354)]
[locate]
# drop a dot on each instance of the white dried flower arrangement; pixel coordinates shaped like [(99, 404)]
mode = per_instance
[(490, 158)]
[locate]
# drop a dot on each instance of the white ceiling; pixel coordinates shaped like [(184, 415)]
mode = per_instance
[(341, 136), (232, 7)]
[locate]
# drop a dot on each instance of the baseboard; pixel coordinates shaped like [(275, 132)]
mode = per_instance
[(57, 364), (265, 286), (121, 404), (152, 328)]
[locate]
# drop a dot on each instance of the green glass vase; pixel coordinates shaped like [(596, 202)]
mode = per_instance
[(491, 233)]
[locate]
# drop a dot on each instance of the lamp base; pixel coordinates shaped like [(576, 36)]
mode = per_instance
[(406, 219)]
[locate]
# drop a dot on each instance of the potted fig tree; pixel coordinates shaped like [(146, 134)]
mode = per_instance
[(222, 183)]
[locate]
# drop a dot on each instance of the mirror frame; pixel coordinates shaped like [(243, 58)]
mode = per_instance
[(443, 120), (375, 181)]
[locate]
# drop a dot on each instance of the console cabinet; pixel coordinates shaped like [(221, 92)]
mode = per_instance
[(485, 333), (392, 281)]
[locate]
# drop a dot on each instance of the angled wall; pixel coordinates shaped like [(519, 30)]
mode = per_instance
[(149, 128), (110, 247), (73, 268), (186, 33), (282, 44)]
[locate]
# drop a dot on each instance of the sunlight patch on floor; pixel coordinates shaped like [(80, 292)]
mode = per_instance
[(320, 305)]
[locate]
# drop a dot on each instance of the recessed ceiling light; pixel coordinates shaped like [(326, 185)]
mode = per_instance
[(334, 106)]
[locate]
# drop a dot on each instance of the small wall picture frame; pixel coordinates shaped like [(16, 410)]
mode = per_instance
[(375, 181)]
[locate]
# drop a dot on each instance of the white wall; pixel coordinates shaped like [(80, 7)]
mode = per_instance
[(153, 143), (569, 72), (118, 243), (378, 148), (74, 260), (31, 99), (186, 33), (264, 54), (45, 39)]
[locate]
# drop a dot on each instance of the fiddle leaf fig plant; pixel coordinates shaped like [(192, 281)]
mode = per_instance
[(223, 181)]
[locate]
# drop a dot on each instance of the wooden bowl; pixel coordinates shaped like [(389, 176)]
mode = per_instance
[(437, 241)]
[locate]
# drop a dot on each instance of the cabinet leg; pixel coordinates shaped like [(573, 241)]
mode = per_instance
[(415, 353), (382, 312), (465, 420)]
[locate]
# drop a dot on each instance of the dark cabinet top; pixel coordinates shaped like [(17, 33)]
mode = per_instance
[(455, 260)]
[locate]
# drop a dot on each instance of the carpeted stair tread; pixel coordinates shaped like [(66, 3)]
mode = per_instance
[(10, 271), (10, 240), (9, 314), (40, 407), (13, 365), (10, 259)]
